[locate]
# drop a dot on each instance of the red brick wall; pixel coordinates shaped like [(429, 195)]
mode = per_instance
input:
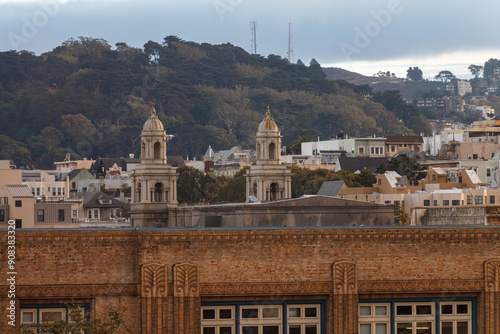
[(106, 265)]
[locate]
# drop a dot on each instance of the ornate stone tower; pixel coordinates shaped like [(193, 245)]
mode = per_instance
[(268, 180), (154, 182)]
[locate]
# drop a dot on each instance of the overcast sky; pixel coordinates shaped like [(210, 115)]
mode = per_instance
[(364, 36)]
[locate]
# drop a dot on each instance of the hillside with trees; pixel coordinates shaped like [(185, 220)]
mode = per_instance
[(91, 99)]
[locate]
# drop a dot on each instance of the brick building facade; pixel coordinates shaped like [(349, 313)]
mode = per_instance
[(286, 280)]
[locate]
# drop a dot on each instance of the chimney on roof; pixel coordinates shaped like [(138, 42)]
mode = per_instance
[(131, 155)]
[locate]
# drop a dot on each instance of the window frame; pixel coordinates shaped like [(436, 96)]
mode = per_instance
[(319, 321), (437, 303), (61, 215), (38, 309), (40, 215)]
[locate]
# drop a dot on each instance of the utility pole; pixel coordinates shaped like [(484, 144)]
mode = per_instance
[(253, 45)]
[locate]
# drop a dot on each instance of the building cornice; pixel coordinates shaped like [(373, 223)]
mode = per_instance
[(467, 234)]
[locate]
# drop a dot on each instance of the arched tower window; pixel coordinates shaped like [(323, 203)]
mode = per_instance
[(157, 151), (258, 150), (254, 189), (143, 150), (272, 151), (274, 191), (158, 192), (139, 191)]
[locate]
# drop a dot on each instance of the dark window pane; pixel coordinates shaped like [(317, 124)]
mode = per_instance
[(463, 327), (225, 314), (271, 330), (404, 310), (462, 309), (208, 330), (250, 330), (446, 309), (424, 328), (447, 327), (271, 312), (424, 309), (52, 316), (209, 314), (311, 329), (250, 313), (404, 328), (294, 329), (311, 312), (225, 330)]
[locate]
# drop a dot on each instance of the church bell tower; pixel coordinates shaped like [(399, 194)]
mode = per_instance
[(154, 181), (268, 180)]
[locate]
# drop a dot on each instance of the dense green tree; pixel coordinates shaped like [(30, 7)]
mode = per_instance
[(445, 76), (414, 74), (295, 147), (404, 166), (490, 66), (99, 98), (475, 70)]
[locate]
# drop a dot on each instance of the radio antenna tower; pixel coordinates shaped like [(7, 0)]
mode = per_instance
[(290, 49), (253, 45)]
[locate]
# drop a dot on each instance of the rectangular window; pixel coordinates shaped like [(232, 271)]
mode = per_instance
[(446, 202), (479, 200), (303, 319), (435, 202), (41, 215), (19, 204), (492, 199), (2, 215), (488, 172), (374, 319), (276, 318), (53, 191), (376, 150), (96, 213), (469, 200), (59, 191), (361, 150), (474, 156), (447, 317), (218, 320), (261, 319), (455, 202), (90, 214), (373, 150), (427, 202), (60, 215), (38, 191), (74, 213), (33, 316)]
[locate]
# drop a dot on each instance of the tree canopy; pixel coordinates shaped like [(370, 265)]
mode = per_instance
[(98, 97), (414, 74)]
